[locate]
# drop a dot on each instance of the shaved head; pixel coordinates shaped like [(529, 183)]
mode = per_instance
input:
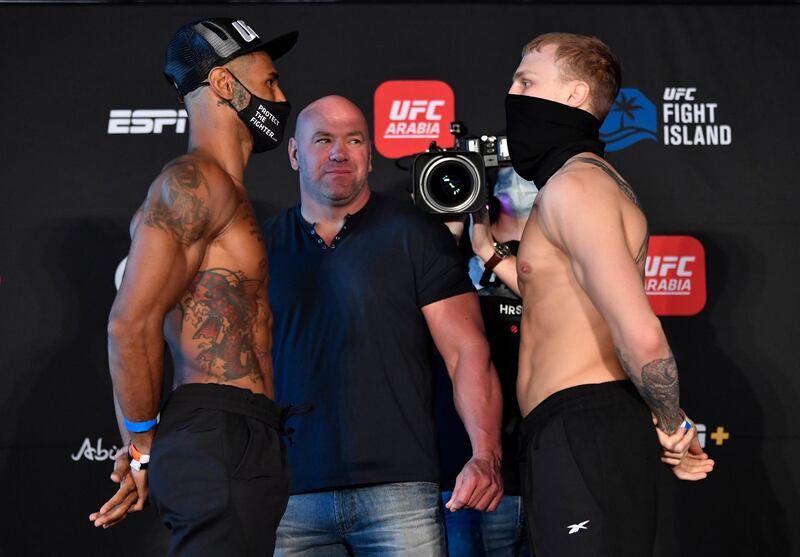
[(334, 109), (331, 151)]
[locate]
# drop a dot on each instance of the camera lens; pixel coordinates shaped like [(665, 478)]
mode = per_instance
[(450, 184)]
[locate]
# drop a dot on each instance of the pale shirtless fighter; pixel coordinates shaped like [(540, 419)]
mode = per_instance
[(196, 277), (594, 361)]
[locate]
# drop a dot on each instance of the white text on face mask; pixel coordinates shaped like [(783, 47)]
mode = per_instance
[(259, 121)]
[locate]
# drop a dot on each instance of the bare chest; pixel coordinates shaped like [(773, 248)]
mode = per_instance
[(539, 262), (239, 247)]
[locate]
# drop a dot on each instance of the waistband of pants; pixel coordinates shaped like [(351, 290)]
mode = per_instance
[(229, 399), (580, 397)]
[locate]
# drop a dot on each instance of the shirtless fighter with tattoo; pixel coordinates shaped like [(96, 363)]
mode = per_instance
[(214, 465), (594, 361)]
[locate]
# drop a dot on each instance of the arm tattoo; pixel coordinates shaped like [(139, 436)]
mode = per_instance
[(641, 257), (658, 384), (179, 209)]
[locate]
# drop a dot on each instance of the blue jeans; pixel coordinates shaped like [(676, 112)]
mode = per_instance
[(397, 519), (500, 533)]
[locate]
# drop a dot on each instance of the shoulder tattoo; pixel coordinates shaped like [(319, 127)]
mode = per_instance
[(180, 209)]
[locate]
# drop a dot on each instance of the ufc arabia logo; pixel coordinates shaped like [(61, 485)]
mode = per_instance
[(411, 114), (675, 275), (145, 121)]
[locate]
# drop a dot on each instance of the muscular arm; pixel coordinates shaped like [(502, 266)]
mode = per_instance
[(167, 249), (585, 221), (457, 329)]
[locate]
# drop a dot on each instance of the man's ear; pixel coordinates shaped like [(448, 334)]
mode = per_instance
[(369, 161), (579, 94), (293, 154), (221, 82)]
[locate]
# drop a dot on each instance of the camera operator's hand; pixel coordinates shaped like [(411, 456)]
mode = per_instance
[(481, 234), (456, 224), (483, 246)]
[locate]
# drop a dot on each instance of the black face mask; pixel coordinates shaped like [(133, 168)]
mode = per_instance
[(543, 135), (265, 119)]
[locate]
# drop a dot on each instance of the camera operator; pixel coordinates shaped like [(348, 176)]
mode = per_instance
[(494, 236)]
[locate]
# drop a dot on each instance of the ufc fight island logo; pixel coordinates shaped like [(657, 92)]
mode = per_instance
[(144, 121), (675, 275), (411, 114), (686, 119)]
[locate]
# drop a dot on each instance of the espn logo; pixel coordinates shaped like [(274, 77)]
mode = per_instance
[(675, 275), (411, 114), (145, 121)]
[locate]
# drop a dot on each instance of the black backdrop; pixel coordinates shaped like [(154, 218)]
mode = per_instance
[(69, 189)]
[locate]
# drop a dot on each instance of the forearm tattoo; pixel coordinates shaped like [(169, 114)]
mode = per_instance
[(179, 209), (658, 384)]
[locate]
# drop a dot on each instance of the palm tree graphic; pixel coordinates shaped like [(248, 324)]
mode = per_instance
[(626, 106), (637, 120)]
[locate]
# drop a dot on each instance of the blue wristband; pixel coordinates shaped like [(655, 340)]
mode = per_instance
[(687, 424), (141, 427)]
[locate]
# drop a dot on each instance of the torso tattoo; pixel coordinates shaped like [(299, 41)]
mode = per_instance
[(223, 312), (222, 308)]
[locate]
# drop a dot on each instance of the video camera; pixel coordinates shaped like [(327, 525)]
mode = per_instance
[(453, 181)]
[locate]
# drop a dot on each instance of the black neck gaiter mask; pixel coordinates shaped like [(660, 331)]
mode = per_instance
[(543, 135)]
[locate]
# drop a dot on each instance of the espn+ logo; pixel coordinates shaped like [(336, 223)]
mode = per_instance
[(411, 114), (146, 121), (675, 275)]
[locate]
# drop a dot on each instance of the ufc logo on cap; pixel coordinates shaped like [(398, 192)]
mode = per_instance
[(245, 31)]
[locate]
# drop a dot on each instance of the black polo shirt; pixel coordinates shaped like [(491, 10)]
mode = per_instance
[(349, 337)]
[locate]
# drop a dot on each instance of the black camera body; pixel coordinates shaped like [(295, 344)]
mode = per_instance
[(453, 181)]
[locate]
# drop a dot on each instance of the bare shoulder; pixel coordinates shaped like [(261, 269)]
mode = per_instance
[(190, 198), (200, 174), (579, 200), (575, 187)]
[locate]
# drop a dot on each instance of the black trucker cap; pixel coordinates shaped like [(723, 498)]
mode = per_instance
[(198, 47)]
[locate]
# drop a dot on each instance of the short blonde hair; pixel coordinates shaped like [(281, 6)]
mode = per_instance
[(588, 59)]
